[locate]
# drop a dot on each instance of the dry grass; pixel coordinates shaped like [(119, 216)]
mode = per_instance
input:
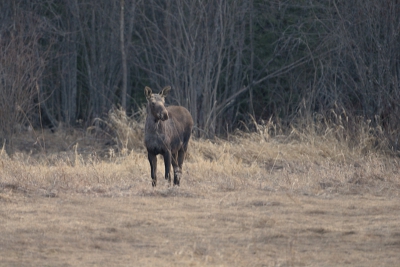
[(257, 199)]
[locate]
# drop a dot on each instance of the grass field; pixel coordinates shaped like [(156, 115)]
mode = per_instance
[(68, 199)]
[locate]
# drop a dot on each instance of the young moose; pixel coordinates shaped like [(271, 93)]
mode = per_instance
[(167, 132)]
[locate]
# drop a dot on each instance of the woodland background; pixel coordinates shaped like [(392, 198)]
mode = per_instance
[(294, 159), (232, 63)]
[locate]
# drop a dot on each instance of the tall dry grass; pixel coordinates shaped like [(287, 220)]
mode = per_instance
[(314, 158)]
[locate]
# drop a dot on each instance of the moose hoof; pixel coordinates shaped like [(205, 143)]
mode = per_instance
[(177, 180), (154, 183), (169, 179)]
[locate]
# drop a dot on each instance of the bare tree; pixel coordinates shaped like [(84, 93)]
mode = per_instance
[(22, 62), (69, 65), (364, 70), (123, 56), (224, 59), (186, 44)]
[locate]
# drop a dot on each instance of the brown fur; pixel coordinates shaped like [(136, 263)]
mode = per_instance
[(167, 132)]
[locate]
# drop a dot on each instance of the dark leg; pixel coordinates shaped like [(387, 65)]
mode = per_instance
[(153, 165), (167, 162), (178, 173), (176, 166)]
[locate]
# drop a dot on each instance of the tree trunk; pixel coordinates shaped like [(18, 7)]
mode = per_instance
[(124, 89)]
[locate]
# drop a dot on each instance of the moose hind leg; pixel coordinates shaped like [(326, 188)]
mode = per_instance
[(167, 162), (178, 170), (177, 176), (153, 166)]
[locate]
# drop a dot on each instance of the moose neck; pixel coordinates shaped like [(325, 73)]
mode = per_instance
[(153, 124)]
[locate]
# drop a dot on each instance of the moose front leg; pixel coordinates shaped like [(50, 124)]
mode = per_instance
[(167, 162), (153, 165)]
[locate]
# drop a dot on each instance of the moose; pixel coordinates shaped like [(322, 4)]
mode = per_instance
[(167, 132)]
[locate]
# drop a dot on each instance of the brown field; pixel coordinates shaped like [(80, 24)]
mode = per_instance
[(251, 200)]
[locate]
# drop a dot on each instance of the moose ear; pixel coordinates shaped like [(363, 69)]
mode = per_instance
[(147, 92), (164, 92)]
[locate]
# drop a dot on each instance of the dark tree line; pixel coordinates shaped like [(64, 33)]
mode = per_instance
[(226, 60)]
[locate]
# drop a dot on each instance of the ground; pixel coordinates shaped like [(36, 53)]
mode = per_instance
[(243, 201), (177, 227)]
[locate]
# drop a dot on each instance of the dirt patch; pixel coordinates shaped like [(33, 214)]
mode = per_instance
[(242, 228)]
